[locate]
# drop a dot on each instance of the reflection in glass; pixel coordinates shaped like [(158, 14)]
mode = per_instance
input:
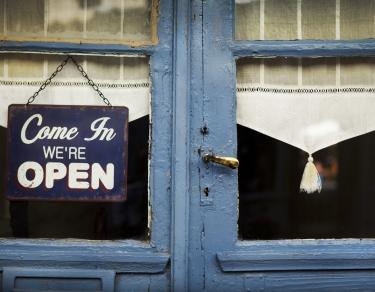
[(77, 20), (25, 17), (68, 24), (304, 19), (104, 19)]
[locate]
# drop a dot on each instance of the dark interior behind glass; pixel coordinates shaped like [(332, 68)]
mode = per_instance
[(271, 206)]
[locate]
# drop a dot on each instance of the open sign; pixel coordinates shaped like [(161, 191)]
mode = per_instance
[(67, 153)]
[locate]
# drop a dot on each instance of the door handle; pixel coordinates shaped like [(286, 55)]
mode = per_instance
[(230, 162)]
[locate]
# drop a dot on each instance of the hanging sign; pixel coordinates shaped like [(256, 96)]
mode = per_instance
[(67, 153)]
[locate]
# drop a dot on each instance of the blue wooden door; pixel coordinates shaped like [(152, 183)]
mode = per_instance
[(218, 259), (194, 243)]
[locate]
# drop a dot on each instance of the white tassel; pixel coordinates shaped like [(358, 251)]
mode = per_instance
[(311, 181)]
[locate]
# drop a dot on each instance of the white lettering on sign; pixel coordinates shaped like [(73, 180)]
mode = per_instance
[(78, 172), (99, 175), (98, 127), (47, 132), (38, 174), (58, 152), (77, 175), (100, 130), (55, 170)]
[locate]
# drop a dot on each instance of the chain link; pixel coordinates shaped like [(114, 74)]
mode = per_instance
[(58, 69), (90, 82)]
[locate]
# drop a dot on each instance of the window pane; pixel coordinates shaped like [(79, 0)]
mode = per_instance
[(280, 19), (65, 18), (248, 71), (25, 17), (1, 66), (304, 19), (357, 19), (86, 220), (105, 22), (104, 69), (281, 71), (325, 12), (313, 72), (247, 20), (1, 18), (320, 71), (357, 71), (137, 20), (270, 203), (29, 66), (110, 21)]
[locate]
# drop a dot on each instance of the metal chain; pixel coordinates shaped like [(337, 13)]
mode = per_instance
[(48, 81), (91, 83), (58, 69)]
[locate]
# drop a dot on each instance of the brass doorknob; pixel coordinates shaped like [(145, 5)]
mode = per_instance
[(222, 160)]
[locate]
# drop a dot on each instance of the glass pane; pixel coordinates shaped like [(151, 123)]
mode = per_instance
[(29, 66), (70, 72), (86, 220), (104, 19), (65, 18), (140, 74), (110, 21), (320, 71), (281, 71), (357, 19), (280, 19), (247, 20), (270, 204), (1, 18), (137, 20), (357, 71), (25, 17), (304, 19), (1, 65), (248, 71), (104, 69), (325, 12)]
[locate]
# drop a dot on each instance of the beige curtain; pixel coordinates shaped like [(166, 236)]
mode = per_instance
[(123, 80), (304, 19)]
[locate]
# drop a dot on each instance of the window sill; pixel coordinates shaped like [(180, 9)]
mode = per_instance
[(259, 256), (120, 256)]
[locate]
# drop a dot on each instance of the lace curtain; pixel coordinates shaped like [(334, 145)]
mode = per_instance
[(123, 80)]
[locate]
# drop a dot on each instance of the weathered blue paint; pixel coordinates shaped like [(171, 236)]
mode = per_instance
[(225, 263), (180, 166), (300, 255), (126, 256), (73, 48), (26, 279), (120, 257), (304, 48), (93, 135), (199, 64)]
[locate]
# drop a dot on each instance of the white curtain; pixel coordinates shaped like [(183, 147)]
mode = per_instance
[(123, 80)]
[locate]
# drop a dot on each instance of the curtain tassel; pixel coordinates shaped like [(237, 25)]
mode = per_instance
[(311, 181)]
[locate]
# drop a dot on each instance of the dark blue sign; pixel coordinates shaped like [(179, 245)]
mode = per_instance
[(67, 153)]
